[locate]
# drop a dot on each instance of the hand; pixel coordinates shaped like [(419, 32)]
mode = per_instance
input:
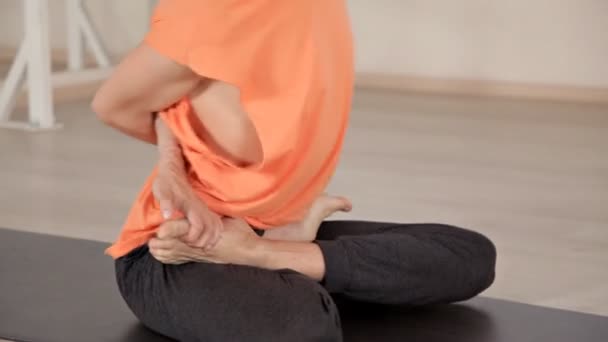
[(173, 191), (237, 244), (235, 247), (170, 249)]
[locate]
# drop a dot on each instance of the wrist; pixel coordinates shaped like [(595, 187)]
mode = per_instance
[(170, 153), (165, 138)]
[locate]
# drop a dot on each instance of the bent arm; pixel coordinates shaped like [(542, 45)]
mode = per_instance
[(143, 83), (146, 82)]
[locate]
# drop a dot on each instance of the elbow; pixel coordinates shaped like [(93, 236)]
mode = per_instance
[(108, 109), (251, 152), (245, 150), (103, 108), (241, 145), (248, 155)]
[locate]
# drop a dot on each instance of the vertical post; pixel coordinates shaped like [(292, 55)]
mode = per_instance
[(75, 47), (92, 39), (39, 64), (13, 83)]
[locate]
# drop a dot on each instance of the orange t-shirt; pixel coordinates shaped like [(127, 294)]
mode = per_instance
[(293, 63)]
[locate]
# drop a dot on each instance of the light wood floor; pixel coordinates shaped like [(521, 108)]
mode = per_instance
[(532, 176)]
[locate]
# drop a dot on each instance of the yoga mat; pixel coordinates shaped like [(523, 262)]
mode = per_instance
[(56, 289)]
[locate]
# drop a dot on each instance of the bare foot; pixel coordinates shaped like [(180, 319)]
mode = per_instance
[(306, 230)]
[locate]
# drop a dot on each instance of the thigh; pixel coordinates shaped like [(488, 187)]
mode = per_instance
[(331, 230), (405, 264), (213, 302)]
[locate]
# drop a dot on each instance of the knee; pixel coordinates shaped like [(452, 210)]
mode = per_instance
[(309, 309), (483, 261), (472, 257)]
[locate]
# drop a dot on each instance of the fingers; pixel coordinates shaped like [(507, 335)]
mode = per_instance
[(167, 259), (216, 233), (164, 199), (156, 243), (163, 255), (166, 208), (211, 232), (197, 229), (173, 229), (168, 251)]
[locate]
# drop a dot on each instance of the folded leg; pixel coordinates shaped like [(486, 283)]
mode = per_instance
[(216, 302), (405, 264)]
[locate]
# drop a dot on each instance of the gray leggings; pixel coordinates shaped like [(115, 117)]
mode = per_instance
[(383, 263)]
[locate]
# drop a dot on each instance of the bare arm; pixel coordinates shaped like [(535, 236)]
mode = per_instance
[(143, 83), (146, 82), (173, 191), (168, 147)]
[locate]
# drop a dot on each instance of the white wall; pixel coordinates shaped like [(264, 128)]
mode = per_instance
[(539, 41), (121, 23)]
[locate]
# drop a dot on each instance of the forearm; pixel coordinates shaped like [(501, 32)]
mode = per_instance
[(134, 123), (137, 125), (144, 82), (303, 257), (171, 162)]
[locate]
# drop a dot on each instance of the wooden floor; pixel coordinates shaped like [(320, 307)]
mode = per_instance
[(532, 176)]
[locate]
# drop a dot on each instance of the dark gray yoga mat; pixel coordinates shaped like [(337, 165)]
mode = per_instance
[(55, 289)]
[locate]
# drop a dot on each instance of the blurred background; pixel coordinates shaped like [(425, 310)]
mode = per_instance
[(491, 115)]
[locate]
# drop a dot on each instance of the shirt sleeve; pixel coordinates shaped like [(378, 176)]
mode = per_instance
[(170, 31), (217, 39)]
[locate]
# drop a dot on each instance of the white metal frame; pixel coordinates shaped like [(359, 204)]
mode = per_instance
[(33, 59)]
